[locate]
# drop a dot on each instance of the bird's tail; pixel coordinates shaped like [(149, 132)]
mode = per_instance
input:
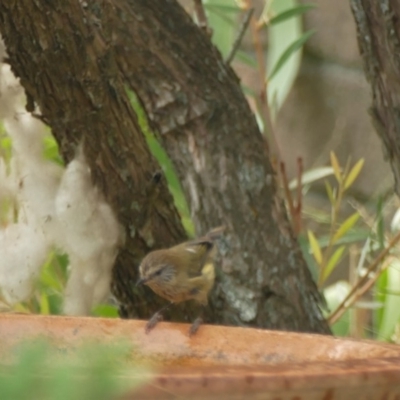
[(215, 233)]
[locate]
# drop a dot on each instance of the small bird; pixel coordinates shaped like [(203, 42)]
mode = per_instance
[(180, 273)]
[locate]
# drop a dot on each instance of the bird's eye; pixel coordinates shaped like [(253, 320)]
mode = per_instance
[(161, 271)]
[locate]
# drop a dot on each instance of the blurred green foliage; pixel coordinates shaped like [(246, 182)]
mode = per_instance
[(377, 300), (40, 371)]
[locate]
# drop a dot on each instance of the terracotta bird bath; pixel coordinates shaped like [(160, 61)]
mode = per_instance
[(230, 363)]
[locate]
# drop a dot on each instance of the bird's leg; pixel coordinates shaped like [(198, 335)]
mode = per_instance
[(156, 318), (196, 324)]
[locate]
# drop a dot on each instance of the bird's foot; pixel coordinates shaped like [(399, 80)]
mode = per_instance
[(195, 326), (153, 321)]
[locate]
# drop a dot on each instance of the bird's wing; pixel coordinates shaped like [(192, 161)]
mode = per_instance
[(199, 251), (202, 284)]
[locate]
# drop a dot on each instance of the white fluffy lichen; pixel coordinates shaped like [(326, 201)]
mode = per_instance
[(23, 250), (90, 235), (56, 208)]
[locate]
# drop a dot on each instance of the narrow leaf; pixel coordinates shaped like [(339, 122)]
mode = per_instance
[(222, 7), (281, 36), (312, 176), (379, 294), (346, 168), (293, 12), (44, 304), (246, 59), (291, 49), (316, 250), (336, 167), (223, 16), (330, 192), (346, 226), (380, 223), (248, 91), (391, 309), (333, 261), (353, 174), (357, 235)]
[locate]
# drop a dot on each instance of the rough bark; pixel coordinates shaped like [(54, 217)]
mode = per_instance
[(68, 69), (378, 31), (193, 100)]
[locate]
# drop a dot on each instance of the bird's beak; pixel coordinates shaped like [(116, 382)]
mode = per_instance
[(141, 281)]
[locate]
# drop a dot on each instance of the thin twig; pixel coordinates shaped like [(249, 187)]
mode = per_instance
[(288, 194), (299, 194), (350, 298), (239, 37), (369, 284)]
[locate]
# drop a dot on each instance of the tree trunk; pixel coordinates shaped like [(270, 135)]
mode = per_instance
[(74, 69), (70, 72), (379, 42)]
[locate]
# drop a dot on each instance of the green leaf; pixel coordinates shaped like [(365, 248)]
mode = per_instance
[(5, 147), (280, 36), (295, 46), (214, 12), (356, 235), (312, 176), (292, 12), (336, 167), (105, 310), (221, 7), (51, 151), (330, 192), (248, 91), (333, 261), (246, 59), (49, 280), (353, 174), (222, 20), (346, 226), (166, 164), (390, 314), (316, 250), (44, 304)]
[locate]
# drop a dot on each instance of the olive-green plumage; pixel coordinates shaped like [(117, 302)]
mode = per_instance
[(182, 272)]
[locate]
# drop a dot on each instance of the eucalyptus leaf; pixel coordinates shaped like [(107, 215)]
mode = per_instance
[(292, 12), (354, 236), (290, 50), (353, 174), (246, 59), (391, 302), (336, 167), (280, 37), (346, 226), (222, 18), (315, 248), (312, 176), (333, 262)]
